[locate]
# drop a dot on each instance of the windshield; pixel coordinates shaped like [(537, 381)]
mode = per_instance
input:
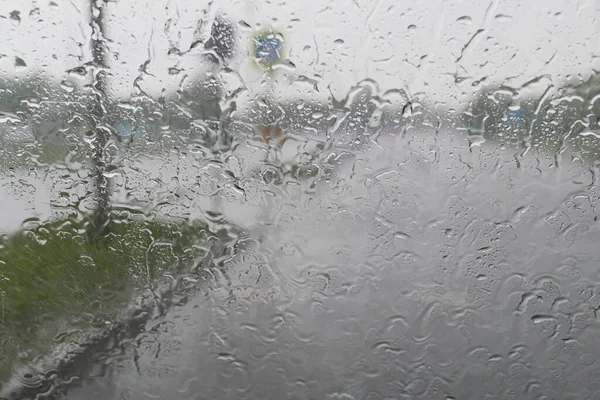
[(335, 200)]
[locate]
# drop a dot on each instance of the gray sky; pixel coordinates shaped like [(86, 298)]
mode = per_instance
[(422, 46)]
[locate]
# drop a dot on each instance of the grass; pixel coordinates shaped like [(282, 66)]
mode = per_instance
[(53, 277)]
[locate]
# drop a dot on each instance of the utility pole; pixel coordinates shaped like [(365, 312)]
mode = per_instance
[(100, 133)]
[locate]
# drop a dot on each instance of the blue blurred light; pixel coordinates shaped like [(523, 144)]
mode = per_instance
[(268, 49), (515, 117), (124, 128)]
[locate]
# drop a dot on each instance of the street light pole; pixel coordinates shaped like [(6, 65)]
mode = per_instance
[(100, 133)]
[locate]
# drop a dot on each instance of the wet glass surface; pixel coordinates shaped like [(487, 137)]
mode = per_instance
[(339, 200)]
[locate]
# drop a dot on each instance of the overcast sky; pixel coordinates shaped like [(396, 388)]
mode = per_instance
[(425, 46)]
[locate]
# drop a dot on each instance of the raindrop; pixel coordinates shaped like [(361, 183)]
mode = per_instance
[(465, 20), (78, 71), (590, 133), (6, 117), (407, 110), (19, 62), (67, 86), (286, 65), (502, 18), (15, 15)]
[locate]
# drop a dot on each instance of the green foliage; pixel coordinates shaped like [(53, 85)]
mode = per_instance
[(52, 272)]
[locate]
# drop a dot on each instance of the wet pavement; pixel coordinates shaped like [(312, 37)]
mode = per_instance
[(420, 267)]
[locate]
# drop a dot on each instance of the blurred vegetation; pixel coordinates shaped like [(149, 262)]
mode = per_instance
[(549, 122), (52, 272), (49, 123), (54, 278), (42, 120)]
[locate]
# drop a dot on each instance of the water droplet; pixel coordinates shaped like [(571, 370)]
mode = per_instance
[(20, 63), (590, 133), (15, 16), (285, 64), (502, 18), (67, 86), (78, 71), (465, 20)]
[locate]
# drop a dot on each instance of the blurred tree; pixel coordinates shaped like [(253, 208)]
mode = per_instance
[(548, 121)]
